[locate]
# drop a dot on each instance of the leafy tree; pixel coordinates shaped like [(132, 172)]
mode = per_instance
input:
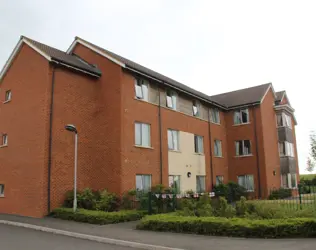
[(310, 165)]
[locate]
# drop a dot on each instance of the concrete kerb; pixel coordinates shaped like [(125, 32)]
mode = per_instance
[(89, 237)]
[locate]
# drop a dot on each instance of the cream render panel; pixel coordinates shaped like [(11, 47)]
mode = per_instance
[(186, 160)]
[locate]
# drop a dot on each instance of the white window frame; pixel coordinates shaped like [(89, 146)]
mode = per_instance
[(199, 184), (172, 180), (218, 152), (141, 89), (144, 140), (288, 181), (141, 177), (238, 117), (198, 144), (219, 180), (196, 108), (250, 187), (171, 99), (284, 120), (8, 96), (1, 190), (286, 149), (215, 116), (4, 139), (243, 148), (173, 140)]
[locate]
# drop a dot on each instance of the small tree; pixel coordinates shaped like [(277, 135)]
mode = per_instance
[(310, 165)]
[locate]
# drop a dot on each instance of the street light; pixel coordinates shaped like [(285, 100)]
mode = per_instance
[(73, 129)]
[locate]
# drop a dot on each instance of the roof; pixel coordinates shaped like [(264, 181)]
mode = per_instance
[(135, 66), (63, 57), (279, 95), (247, 96)]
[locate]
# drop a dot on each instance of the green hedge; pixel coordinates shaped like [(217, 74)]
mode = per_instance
[(239, 227), (97, 217)]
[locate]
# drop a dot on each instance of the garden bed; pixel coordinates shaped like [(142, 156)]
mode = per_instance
[(97, 217), (238, 227)]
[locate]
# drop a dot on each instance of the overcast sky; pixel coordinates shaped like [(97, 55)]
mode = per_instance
[(212, 46)]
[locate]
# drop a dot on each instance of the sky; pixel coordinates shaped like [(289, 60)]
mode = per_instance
[(212, 46)]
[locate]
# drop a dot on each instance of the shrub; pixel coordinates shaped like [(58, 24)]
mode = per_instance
[(128, 198), (224, 209), (108, 202), (97, 217), (232, 191), (281, 193), (87, 199), (242, 207), (239, 227)]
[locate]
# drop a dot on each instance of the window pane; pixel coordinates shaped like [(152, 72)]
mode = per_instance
[(174, 101), (170, 141), (244, 115), (250, 183), (195, 110), (145, 91), (237, 117), (145, 135), (241, 181), (169, 102), (139, 183), (138, 138), (196, 147), (284, 181), (147, 182), (1, 189), (246, 150), (175, 139), (138, 90), (200, 144), (219, 180), (237, 147), (200, 184), (4, 139), (279, 120)]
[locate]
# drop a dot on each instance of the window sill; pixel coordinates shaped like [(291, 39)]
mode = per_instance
[(202, 154), (241, 124), (6, 101), (216, 123), (287, 156), (284, 127), (172, 109), (144, 147), (174, 151), (218, 156), (241, 156), (142, 100), (1, 195), (3, 146)]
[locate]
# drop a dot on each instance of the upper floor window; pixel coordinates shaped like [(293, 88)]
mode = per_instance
[(243, 147), (247, 182), (198, 144), (241, 116), (173, 139), (218, 148), (141, 89), (142, 134), (8, 95), (284, 120), (215, 118), (286, 149), (196, 108), (4, 139), (171, 99)]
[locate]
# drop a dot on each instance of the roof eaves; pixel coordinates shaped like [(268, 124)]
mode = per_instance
[(244, 105)]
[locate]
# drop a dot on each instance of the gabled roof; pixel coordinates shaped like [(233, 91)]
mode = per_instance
[(53, 55), (279, 96), (243, 97), (126, 63)]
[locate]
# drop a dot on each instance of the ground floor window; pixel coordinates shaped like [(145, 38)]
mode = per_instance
[(247, 182), (174, 183), (289, 181), (143, 183), (219, 179), (1, 189), (200, 184)]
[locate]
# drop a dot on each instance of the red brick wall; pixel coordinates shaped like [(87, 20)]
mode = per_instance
[(23, 164)]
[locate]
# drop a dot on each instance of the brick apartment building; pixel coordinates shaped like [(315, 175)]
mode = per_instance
[(137, 128)]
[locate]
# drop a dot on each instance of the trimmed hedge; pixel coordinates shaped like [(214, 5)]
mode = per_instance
[(97, 217), (238, 227)]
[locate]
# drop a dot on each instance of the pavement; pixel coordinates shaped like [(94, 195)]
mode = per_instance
[(17, 238), (126, 232)]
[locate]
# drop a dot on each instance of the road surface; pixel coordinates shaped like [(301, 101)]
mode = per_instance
[(17, 238)]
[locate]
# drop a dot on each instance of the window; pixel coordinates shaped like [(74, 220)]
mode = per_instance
[(171, 100), (218, 148), (141, 89), (286, 149), (174, 182), (142, 134), (247, 182), (215, 116), (243, 147), (198, 144), (173, 139), (1, 190), (8, 96), (241, 116), (143, 183), (196, 108), (284, 120), (289, 181), (219, 179), (200, 184), (4, 139)]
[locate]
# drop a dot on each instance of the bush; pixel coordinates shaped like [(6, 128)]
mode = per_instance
[(224, 209), (281, 193), (97, 217), (232, 191), (108, 202), (242, 207), (239, 227)]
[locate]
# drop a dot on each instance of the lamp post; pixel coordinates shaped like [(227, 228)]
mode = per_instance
[(73, 129)]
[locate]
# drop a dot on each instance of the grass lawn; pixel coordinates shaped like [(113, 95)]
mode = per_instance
[(307, 176)]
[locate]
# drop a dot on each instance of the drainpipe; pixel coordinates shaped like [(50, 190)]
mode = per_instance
[(160, 134), (211, 154), (50, 140), (257, 153)]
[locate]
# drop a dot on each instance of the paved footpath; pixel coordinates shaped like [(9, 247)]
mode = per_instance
[(127, 232)]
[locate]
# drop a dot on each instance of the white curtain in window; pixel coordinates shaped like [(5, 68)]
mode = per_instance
[(145, 91), (170, 141), (288, 121), (200, 144), (279, 120), (138, 90), (237, 145), (250, 183), (169, 101), (241, 181), (237, 117), (200, 184), (138, 136), (175, 139), (174, 101), (145, 135), (195, 110)]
